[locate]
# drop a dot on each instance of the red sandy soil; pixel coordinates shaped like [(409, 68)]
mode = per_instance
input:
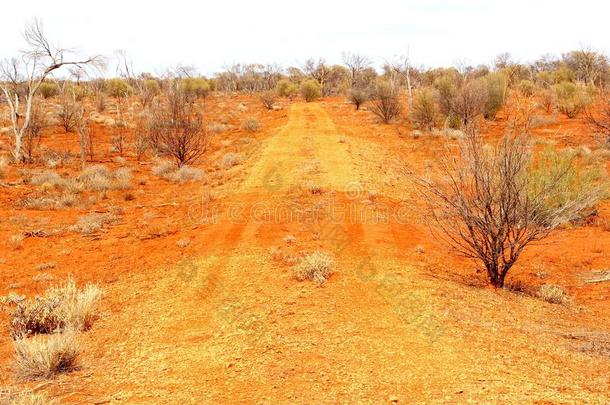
[(222, 320)]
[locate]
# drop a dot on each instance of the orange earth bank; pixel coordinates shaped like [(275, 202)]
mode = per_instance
[(220, 319)]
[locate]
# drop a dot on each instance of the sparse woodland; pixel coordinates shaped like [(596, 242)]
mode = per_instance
[(495, 167)]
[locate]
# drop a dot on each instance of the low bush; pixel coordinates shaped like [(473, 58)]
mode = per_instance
[(48, 90), (553, 294), (118, 88), (268, 99), (317, 266), (42, 357), (285, 88), (169, 171), (358, 97), (386, 103), (311, 90), (231, 159), (571, 98), (527, 88), (251, 124), (93, 222), (62, 307), (195, 88), (424, 111)]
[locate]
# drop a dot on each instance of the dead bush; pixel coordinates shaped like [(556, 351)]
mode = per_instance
[(179, 126), (553, 294), (268, 99), (251, 124), (93, 222), (68, 113), (42, 357), (60, 308), (231, 159), (386, 103), (490, 202), (317, 266)]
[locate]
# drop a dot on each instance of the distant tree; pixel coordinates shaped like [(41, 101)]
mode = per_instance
[(588, 65), (356, 63), (358, 97)]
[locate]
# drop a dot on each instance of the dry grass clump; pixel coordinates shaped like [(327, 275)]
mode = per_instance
[(182, 243), (60, 308), (231, 159), (50, 202), (250, 124), (41, 357), (96, 178), (24, 398), (553, 294), (317, 266), (3, 166), (168, 171), (15, 241), (93, 222), (217, 127), (48, 179)]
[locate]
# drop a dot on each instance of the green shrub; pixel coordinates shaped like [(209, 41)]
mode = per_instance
[(311, 90), (195, 87), (527, 87), (496, 88), (285, 88), (576, 182), (48, 89), (117, 88), (425, 110), (571, 98), (447, 91)]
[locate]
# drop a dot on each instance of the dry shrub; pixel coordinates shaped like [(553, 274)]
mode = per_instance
[(93, 222), (217, 127), (100, 178), (386, 103), (358, 97), (60, 308), (178, 127), (538, 121), (317, 266), (168, 171), (491, 201), (25, 398), (231, 159), (268, 99), (553, 294), (42, 357), (251, 124), (424, 111), (15, 242), (50, 202)]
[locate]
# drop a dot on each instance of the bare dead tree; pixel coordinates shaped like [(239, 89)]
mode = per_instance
[(22, 77), (179, 127), (487, 206), (401, 66), (356, 64)]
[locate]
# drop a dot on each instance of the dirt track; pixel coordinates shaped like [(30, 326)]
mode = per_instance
[(228, 323)]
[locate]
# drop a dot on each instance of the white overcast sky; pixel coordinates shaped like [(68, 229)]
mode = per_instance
[(212, 34)]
